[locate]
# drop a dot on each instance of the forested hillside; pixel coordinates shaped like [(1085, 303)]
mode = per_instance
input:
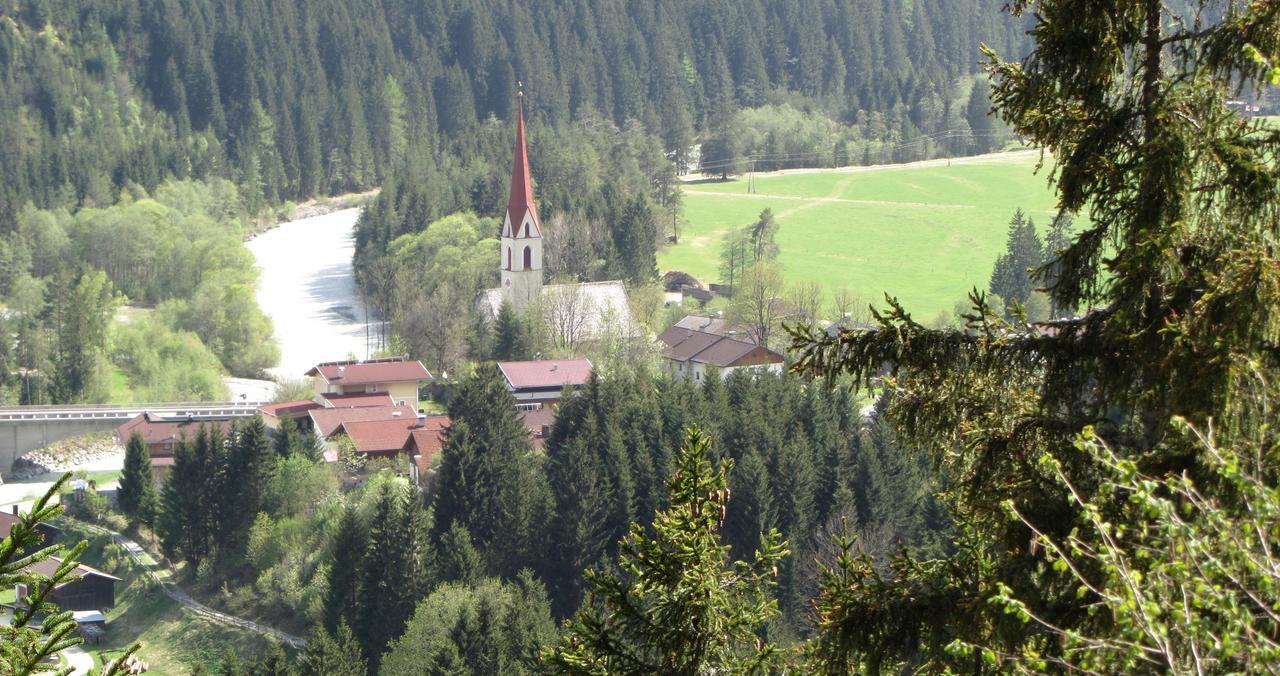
[(294, 98)]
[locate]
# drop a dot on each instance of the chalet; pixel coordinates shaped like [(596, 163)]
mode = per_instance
[(398, 377), (329, 421), (379, 438), (50, 532), (359, 400), (690, 353), (424, 446), (536, 382), (272, 414), (93, 591), (161, 433)]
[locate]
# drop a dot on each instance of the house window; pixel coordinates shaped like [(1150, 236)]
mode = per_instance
[(508, 258), (528, 258), (526, 229), (697, 375)]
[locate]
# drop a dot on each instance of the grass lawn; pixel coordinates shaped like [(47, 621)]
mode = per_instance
[(172, 637), (104, 477), (121, 393), (925, 234)]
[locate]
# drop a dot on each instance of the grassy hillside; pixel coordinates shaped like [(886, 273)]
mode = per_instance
[(926, 232), (173, 638)]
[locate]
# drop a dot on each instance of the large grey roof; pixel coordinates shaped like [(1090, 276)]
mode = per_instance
[(595, 305), (683, 344)]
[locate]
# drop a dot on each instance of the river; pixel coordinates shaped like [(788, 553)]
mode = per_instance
[(308, 289)]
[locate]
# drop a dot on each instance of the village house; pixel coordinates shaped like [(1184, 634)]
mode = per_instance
[(50, 532), (300, 410), (94, 590), (399, 377), (537, 382), (327, 422), (423, 447), (690, 353), (161, 433)]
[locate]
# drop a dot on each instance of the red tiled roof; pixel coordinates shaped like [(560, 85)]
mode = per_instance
[(290, 408), (50, 565), (358, 399), (378, 436), (426, 443), (328, 420), (160, 429), (546, 372), (371, 372)]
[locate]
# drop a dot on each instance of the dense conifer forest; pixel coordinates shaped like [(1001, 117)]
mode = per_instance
[(291, 99)]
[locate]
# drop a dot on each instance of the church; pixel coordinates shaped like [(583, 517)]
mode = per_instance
[(573, 313)]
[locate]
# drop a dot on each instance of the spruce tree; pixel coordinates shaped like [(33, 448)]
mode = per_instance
[(287, 436), (457, 559), (349, 545), (387, 579), (510, 340), (678, 604), (137, 492), (246, 466), (336, 653), (1178, 263), (183, 520), (487, 481), (578, 528)]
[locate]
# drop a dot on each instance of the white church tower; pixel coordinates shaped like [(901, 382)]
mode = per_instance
[(521, 232)]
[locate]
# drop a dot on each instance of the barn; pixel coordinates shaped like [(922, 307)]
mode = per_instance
[(94, 590)]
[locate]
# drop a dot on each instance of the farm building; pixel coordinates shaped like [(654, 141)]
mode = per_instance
[(94, 590), (690, 353)]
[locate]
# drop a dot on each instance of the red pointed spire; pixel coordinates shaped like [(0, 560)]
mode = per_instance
[(521, 198)]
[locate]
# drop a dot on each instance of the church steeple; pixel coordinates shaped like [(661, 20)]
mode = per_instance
[(521, 241), (520, 201)]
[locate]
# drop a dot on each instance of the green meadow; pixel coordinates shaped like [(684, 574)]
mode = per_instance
[(924, 233)]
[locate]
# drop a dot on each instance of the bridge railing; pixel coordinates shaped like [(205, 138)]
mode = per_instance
[(117, 411)]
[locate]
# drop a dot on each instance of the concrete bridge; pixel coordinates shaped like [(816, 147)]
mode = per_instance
[(26, 428)]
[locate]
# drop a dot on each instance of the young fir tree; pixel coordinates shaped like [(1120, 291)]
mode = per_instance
[(336, 653), (678, 604), (1178, 263), (137, 492), (1011, 279)]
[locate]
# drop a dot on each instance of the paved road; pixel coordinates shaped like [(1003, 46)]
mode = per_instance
[(308, 289)]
